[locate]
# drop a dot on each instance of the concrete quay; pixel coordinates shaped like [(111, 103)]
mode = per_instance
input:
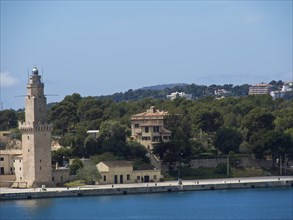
[(137, 188)]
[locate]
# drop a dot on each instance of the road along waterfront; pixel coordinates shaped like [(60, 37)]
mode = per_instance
[(138, 188)]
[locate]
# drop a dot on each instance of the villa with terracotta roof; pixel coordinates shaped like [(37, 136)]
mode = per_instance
[(148, 129)]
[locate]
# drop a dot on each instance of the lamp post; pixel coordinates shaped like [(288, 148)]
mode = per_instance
[(63, 161), (281, 173), (286, 161), (228, 169), (179, 168)]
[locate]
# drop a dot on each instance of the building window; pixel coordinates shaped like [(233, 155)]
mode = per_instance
[(128, 177), (53, 179), (1, 158), (136, 125), (144, 138), (40, 161), (156, 129), (156, 139), (146, 129), (28, 150), (28, 137), (138, 177), (40, 168), (105, 178), (20, 178), (19, 168), (155, 177)]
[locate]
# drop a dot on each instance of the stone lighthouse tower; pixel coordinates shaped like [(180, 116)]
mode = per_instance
[(36, 137)]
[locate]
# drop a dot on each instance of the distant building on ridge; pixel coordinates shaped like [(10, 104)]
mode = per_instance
[(176, 94), (222, 92), (259, 89), (286, 89)]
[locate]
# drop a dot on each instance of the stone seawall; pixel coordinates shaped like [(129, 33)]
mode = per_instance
[(143, 189)]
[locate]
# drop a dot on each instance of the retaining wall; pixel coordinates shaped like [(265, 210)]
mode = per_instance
[(7, 180), (140, 190)]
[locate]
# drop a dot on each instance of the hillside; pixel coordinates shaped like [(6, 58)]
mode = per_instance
[(164, 86), (161, 91)]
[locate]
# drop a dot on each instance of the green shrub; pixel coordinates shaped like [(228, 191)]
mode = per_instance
[(221, 169)]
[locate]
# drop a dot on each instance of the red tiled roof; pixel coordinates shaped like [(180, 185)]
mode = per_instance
[(152, 112)]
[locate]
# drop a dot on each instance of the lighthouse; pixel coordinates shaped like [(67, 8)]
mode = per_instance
[(35, 168)]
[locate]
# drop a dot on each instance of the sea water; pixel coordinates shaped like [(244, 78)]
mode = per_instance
[(266, 204)]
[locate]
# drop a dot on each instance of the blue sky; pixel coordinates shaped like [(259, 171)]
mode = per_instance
[(102, 47)]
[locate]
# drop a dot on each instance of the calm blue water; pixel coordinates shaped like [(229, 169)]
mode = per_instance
[(233, 204)]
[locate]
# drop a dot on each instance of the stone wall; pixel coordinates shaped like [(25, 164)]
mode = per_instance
[(7, 180), (60, 176), (248, 162), (244, 162), (207, 163)]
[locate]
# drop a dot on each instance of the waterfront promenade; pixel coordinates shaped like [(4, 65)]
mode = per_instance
[(168, 186)]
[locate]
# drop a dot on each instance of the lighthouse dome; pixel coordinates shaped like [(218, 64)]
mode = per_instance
[(35, 71)]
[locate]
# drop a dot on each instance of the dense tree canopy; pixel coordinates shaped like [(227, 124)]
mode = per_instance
[(209, 121), (228, 139), (75, 166), (8, 120), (258, 119), (251, 124)]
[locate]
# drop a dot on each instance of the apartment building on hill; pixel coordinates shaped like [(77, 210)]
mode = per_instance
[(260, 89)]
